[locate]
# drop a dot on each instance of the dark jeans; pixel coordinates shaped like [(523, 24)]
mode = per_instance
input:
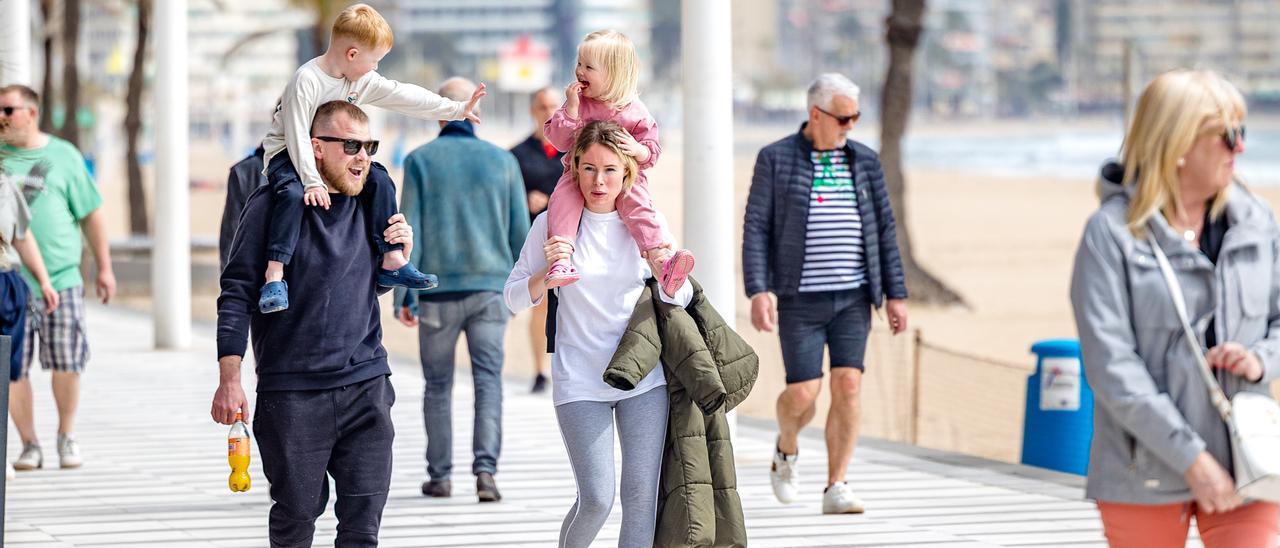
[(483, 317), (378, 198), (345, 432), (837, 320), (13, 317)]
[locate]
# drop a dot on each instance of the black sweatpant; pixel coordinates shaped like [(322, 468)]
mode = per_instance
[(345, 432), (378, 198)]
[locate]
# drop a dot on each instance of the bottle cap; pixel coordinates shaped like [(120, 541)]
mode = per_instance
[(239, 416)]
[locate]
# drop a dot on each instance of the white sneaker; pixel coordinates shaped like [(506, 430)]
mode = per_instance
[(68, 452), (30, 459), (839, 499), (785, 476)]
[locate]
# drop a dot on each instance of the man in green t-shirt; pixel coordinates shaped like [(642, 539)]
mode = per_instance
[(64, 202)]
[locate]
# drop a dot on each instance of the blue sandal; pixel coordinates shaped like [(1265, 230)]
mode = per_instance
[(274, 297), (407, 276)]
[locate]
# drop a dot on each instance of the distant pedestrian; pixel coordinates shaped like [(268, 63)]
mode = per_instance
[(467, 198), (65, 203), (819, 237), (1161, 453), (244, 178), (541, 167), (17, 245)]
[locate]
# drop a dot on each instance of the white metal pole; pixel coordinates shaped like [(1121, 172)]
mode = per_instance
[(14, 68), (706, 44), (15, 50), (171, 247)]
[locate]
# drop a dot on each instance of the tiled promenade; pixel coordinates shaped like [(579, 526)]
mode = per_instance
[(155, 474)]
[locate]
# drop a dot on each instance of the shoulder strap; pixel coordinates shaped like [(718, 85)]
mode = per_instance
[(553, 302), (1193, 342)]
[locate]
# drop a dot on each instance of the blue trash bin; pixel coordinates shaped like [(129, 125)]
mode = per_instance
[(1058, 423)]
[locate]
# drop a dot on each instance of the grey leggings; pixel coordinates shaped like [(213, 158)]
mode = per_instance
[(587, 428)]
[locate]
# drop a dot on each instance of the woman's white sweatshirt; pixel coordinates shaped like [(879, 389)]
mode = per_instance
[(593, 312)]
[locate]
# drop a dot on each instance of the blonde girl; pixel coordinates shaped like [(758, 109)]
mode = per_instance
[(605, 90)]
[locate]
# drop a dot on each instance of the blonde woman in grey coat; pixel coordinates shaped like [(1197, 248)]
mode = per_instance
[(1161, 453)]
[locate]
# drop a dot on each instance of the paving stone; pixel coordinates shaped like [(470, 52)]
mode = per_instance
[(155, 474)]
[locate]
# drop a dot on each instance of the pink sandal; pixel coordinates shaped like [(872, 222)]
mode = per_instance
[(562, 273), (675, 271)]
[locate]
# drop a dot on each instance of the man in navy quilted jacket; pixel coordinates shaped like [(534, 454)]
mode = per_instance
[(819, 239)]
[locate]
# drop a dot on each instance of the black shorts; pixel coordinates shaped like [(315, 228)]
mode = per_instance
[(808, 322)]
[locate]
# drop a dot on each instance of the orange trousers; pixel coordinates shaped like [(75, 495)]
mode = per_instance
[(1256, 524)]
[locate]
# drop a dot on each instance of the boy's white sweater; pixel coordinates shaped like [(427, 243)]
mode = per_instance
[(594, 311), (311, 87)]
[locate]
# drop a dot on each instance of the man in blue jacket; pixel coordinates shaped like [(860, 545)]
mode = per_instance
[(322, 357), (244, 178), (819, 237), (467, 198)]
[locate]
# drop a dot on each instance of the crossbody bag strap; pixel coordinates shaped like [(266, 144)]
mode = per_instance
[(1216, 394), (553, 305)]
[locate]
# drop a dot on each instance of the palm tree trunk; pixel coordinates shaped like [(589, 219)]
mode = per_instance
[(133, 123), (46, 80), (903, 30), (325, 11), (71, 70)]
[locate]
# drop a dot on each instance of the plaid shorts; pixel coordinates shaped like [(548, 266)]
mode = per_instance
[(64, 346)]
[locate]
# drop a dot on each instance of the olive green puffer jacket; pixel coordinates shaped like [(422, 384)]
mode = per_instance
[(709, 371)]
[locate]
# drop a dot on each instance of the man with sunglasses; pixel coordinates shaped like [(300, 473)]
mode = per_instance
[(64, 202), (819, 237), (323, 357), (467, 196)]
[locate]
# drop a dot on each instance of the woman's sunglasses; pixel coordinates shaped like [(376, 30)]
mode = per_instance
[(1233, 136), (352, 146)]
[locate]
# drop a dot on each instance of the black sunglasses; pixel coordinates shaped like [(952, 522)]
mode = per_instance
[(8, 111), (842, 120), (352, 146), (1233, 136)]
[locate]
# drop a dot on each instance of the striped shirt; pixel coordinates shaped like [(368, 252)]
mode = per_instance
[(834, 257)]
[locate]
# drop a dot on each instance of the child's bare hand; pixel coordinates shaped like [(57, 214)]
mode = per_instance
[(316, 196), (632, 148), (572, 99), (473, 107)]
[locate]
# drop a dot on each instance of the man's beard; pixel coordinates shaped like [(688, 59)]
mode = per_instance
[(336, 177)]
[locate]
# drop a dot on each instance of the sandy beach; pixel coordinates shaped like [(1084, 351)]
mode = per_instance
[(1004, 243)]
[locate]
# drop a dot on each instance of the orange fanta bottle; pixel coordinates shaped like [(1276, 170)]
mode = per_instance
[(238, 455)]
